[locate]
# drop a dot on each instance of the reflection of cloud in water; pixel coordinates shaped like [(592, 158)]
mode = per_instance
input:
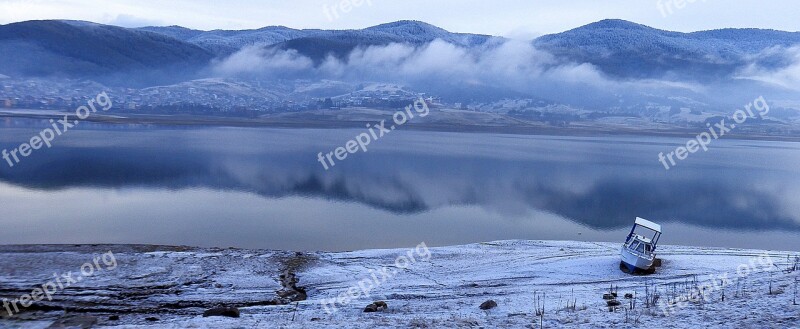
[(600, 185)]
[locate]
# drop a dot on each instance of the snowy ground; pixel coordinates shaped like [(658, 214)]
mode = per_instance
[(432, 288)]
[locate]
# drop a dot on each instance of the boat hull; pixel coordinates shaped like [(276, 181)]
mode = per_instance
[(634, 263)]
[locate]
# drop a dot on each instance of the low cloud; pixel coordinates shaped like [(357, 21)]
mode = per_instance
[(512, 66), (255, 61), (775, 66)]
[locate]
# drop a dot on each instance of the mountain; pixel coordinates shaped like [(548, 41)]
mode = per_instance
[(105, 53), (317, 43), (416, 32), (631, 50), (617, 47), (177, 32), (320, 44), (226, 42), (157, 55)]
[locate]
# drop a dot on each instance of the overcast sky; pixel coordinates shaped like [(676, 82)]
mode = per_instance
[(514, 18)]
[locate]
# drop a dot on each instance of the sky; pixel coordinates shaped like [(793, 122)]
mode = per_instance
[(509, 18)]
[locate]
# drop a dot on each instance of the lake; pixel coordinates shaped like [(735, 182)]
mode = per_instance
[(264, 188)]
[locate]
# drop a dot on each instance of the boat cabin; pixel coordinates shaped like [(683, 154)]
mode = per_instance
[(638, 252)]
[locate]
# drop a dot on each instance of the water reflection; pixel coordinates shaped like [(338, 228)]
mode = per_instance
[(601, 183)]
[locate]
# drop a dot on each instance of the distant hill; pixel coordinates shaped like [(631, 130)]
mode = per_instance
[(626, 49), (87, 50), (225, 42), (317, 43), (153, 55)]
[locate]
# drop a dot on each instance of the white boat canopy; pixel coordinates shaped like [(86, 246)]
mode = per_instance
[(648, 224)]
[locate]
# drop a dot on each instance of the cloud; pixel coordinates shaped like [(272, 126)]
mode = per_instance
[(264, 63), (776, 66), (500, 68), (131, 21), (511, 64)]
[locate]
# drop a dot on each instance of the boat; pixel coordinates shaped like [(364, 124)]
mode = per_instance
[(638, 253)]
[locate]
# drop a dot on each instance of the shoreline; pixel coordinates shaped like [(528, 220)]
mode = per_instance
[(171, 287), (145, 247), (579, 129)]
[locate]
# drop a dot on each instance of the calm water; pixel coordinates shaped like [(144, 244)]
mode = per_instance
[(263, 188)]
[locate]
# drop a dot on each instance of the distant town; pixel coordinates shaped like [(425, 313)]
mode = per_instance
[(205, 97), (254, 99)]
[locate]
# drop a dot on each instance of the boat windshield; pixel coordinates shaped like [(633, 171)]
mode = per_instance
[(643, 248)]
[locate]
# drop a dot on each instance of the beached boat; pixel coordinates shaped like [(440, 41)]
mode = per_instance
[(638, 252)]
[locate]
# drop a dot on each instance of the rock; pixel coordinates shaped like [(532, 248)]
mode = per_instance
[(230, 312), (290, 292), (488, 305), (286, 293), (152, 319), (74, 321), (376, 307), (629, 296), (613, 303), (113, 318)]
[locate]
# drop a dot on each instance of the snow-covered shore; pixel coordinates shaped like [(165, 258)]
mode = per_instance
[(171, 287)]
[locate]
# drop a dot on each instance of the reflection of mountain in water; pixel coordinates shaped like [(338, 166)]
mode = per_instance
[(599, 195)]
